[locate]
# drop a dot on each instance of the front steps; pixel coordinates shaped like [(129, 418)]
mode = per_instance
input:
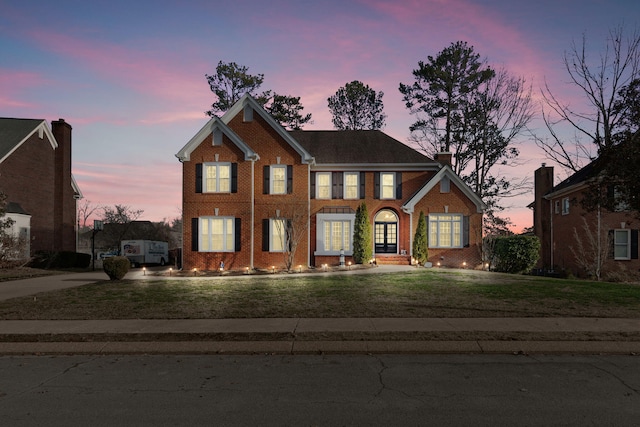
[(383, 259)]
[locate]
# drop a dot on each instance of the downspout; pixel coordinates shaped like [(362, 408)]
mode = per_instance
[(309, 214), (599, 264), (411, 234), (253, 211), (551, 234)]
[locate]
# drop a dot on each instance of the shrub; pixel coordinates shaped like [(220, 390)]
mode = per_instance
[(82, 260), (515, 254), (362, 251), (420, 247), (60, 259), (116, 267)]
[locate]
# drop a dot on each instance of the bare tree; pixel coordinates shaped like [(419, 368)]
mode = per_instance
[(292, 226), (590, 250), (599, 82), (86, 208)]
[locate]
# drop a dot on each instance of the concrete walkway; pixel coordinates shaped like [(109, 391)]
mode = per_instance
[(17, 333)]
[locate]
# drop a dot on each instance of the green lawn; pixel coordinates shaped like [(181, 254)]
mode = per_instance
[(420, 293)]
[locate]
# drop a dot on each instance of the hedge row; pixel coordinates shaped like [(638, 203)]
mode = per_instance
[(60, 259)]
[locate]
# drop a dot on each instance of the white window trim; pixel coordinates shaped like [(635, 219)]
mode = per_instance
[(459, 220), (224, 241), (557, 206), (344, 185), (205, 188), (565, 206), (628, 244), (272, 169), (393, 186), (318, 174), (272, 228), (321, 220)]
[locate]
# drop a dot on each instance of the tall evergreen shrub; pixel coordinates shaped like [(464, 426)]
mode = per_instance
[(420, 247), (362, 244)]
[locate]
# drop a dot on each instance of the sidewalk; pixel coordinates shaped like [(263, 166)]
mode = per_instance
[(188, 336)]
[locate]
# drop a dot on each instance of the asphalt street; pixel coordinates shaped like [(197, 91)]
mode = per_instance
[(320, 390)]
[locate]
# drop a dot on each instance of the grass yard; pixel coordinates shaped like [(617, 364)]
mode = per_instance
[(419, 293)]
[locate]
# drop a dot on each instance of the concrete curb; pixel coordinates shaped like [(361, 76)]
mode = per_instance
[(322, 347)]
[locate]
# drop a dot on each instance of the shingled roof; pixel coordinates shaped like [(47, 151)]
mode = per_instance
[(356, 147), (14, 131)]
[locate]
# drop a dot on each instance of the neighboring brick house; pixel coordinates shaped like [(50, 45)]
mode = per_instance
[(35, 174), (245, 177), (559, 221)]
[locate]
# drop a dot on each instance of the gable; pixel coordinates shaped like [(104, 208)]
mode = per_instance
[(15, 132), (247, 106), (214, 126), (444, 174)]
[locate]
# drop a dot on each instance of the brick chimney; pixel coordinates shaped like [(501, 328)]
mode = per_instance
[(543, 184), (65, 204), (443, 158)]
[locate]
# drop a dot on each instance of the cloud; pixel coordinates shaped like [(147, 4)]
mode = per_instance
[(155, 188), (172, 85)]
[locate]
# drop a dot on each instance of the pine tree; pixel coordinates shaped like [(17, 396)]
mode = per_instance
[(420, 247), (362, 251)]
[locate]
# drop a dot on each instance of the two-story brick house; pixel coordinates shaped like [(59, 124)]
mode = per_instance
[(246, 179), (35, 175), (608, 239)]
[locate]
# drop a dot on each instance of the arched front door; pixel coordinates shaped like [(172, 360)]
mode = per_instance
[(386, 232)]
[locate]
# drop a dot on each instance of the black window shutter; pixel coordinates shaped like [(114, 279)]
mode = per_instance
[(398, 185), (289, 234), (362, 177), (336, 183), (234, 177), (289, 179), (376, 189), (265, 175), (465, 231), (198, 177), (312, 179), (238, 232), (194, 234), (265, 235), (610, 239), (634, 244)]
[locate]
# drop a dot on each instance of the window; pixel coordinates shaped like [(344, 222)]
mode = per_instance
[(387, 185), (217, 178), (351, 185), (622, 244), (277, 235), (445, 231), (323, 185), (337, 236), (216, 234), (278, 180), (557, 206), (334, 233), (565, 206)]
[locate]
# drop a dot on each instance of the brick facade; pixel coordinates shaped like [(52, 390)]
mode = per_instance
[(37, 176), (559, 223), (257, 143)]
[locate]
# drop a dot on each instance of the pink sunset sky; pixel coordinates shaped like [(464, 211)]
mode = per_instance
[(130, 76)]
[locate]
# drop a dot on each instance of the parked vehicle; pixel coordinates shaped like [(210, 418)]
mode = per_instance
[(145, 252)]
